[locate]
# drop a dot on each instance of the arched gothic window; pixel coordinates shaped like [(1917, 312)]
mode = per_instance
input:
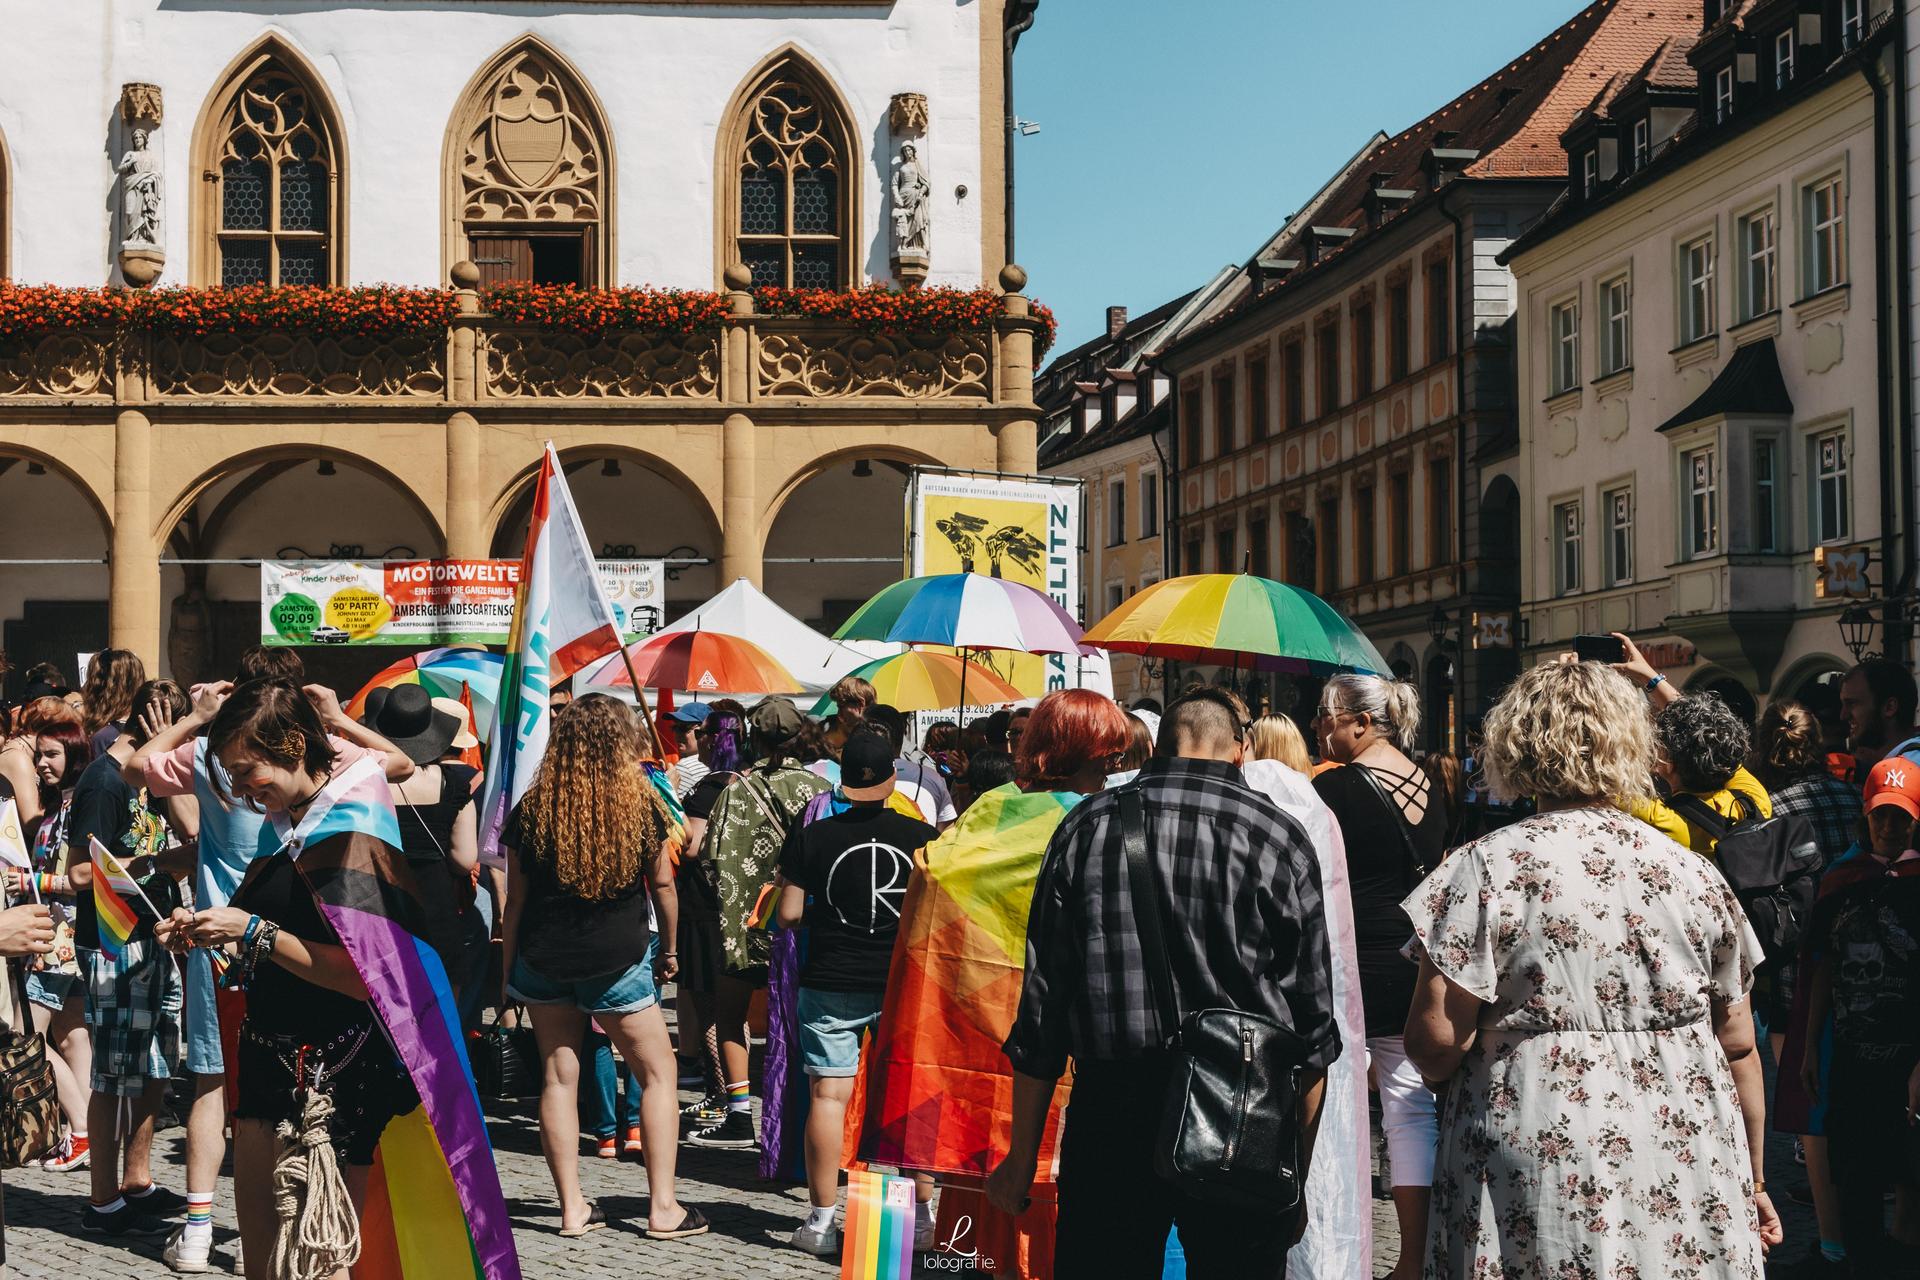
[(273, 166), (531, 173), (796, 173)]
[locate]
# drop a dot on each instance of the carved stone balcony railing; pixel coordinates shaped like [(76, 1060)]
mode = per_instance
[(795, 358), (293, 365), (479, 359), (71, 365), (612, 366)]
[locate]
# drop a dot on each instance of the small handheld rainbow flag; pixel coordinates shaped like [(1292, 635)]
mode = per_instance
[(879, 1232), (114, 892), (13, 841)]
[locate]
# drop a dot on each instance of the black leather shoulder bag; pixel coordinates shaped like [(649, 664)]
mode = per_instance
[(1229, 1128)]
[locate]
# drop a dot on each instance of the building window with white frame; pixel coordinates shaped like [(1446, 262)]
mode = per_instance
[(1565, 327), (1642, 143), (1759, 263), (1853, 21), (1832, 502), (1697, 318), (1701, 475), (1117, 512), (1766, 495), (1566, 548), (1149, 504), (1618, 504), (1824, 215), (1722, 94), (1589, 172), (1783, 59), (1616, 328)]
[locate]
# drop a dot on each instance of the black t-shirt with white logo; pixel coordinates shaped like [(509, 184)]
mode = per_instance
[(856, 866)]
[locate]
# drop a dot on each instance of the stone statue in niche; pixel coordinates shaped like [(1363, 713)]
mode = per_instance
[(912, 214), (141, 193), (142, 255)]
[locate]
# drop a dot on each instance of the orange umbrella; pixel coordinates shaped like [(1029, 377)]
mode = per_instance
[(702, 661)]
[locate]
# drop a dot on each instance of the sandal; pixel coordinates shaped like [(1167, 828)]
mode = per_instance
[(694, 1224), (596, 1221)]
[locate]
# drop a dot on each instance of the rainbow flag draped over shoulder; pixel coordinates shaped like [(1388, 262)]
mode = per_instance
[(940, 1091), (562, 621), (434, 1208)]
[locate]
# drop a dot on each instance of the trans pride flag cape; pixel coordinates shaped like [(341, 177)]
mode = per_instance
[(434, 1209)]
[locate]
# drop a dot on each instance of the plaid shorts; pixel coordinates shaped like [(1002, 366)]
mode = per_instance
[(133, 1011)]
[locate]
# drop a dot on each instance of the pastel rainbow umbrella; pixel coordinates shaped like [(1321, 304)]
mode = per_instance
[(965, 611), (1240, 621), (701, 661), (444, 673), (928, 680)]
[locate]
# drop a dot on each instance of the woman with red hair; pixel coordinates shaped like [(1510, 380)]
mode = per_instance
[(939, 1089)]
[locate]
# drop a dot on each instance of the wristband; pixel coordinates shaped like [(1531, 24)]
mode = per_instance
[(1655, 683), (253, 927), (1759, 1186)]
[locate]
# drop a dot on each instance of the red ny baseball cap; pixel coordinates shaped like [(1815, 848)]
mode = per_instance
[(1895, 780)]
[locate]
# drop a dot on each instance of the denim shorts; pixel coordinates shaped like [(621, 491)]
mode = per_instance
[(628, 991), (830, 1027), (51, 989)]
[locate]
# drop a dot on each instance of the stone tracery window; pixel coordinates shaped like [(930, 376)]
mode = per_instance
[(530, 188), (795, 169), (276, 187)]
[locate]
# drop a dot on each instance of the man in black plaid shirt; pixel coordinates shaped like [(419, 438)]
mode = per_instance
[(1247, 931)]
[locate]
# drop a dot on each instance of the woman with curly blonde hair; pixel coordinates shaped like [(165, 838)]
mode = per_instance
[(584, 848), (1579, 969)]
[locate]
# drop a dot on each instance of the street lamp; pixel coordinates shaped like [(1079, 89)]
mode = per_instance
[(1856, 629), (1438, 625)]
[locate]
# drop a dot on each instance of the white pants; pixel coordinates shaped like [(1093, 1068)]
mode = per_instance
[(1407, 1112)]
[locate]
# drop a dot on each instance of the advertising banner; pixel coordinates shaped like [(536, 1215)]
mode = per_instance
[(1021, 528), (428, 602)]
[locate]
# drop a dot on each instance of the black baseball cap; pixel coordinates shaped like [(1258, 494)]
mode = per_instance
[(866, 767)]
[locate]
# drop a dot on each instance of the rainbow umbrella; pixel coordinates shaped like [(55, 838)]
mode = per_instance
[(965, 611), (919, 680), (701, 661), (443, 672), (1239, 621)]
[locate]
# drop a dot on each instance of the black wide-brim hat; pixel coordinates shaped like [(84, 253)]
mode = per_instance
[(408, 719)]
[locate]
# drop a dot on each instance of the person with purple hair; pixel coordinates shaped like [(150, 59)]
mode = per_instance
[(723, 750)]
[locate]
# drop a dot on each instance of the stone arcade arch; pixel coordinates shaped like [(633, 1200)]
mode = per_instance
[(829, 513), (634, 505), (54, 610), (280, 503)]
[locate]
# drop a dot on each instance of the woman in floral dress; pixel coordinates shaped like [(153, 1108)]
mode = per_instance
[(1582, 1007)]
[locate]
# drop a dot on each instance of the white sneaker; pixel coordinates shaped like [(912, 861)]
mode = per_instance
[(923, 1237), (821, 1243), (185, 1257)]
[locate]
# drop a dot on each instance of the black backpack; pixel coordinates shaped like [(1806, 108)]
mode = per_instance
[(1772, 865)]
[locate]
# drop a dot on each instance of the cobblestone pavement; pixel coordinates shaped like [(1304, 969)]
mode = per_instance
[(751, 1218)]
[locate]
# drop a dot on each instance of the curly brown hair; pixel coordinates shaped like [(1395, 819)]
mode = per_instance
[(591, 812), (112, 678)]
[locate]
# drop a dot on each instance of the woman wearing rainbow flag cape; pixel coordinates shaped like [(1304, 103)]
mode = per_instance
[(350, 1053), (940, 1092)]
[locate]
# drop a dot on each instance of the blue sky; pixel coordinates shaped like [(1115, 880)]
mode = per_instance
[(1177, 134)]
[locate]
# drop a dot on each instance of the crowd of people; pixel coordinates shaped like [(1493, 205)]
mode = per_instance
[(983, 959)]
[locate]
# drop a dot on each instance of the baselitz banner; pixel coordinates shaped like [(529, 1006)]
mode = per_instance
[(428, 602)]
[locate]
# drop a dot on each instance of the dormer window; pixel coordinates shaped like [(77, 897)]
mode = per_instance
[(1642, 143), (1783, 59), (1589, 171), (1853, 21), (1722, 94)]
